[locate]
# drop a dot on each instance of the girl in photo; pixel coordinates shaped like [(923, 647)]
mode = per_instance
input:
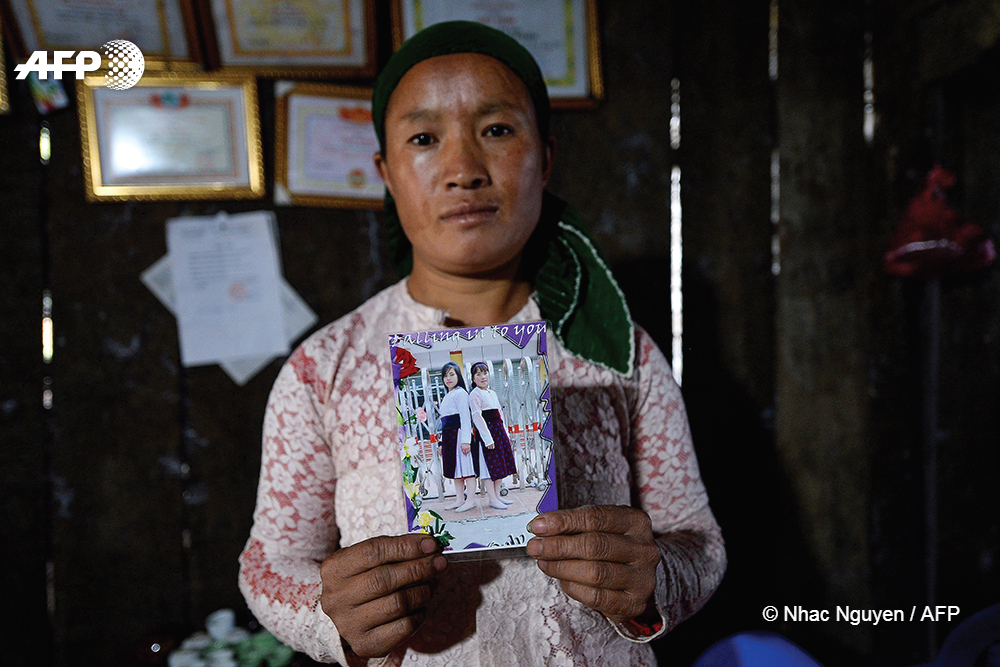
[(496, 459), (456, 439)]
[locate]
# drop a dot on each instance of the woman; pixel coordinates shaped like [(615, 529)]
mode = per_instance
[(462, 116), (456, 439), (490, 443)]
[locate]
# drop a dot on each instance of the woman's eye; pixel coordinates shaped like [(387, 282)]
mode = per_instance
[(497, 130), (422, 139)]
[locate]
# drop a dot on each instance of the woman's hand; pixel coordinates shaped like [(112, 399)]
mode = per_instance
[(604, 557), (466, 448), (376, 591)]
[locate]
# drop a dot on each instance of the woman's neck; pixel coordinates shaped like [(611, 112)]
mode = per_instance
[(469, 301)]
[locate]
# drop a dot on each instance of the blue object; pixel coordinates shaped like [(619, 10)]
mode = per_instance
[(755, 649), (975, 642)]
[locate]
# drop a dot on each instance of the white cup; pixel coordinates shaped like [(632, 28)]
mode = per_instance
[(220, 623)]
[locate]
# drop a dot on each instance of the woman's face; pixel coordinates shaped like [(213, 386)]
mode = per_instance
[(450, 378), (464, 161), (481, 378)]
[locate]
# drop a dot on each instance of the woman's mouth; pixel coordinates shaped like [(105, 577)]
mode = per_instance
[(470, 213)]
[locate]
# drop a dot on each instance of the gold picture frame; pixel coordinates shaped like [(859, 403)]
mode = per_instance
[(324, 143), (569, 56), (4, 97), (173, 136), (165, 31), (291, 39)]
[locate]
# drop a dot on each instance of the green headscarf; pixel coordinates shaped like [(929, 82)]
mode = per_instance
[(573, 285)]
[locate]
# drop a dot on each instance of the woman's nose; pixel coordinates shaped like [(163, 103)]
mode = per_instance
[(465, 166)]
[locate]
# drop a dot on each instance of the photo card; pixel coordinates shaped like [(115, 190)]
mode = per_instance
[(475, 435)]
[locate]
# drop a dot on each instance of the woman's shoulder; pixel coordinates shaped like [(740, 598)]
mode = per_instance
[(366, 322), (457, 395), (647, 357), (359, 333), (483, 396)]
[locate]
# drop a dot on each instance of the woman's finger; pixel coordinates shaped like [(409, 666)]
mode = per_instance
[(379, 640), (372, 569), (603, 519), (593, 573), (377, 551), (618, 606), (591, 546), (396, 605), (392, 577)]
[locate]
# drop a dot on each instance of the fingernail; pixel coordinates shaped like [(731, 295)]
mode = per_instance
[(429, 545), (440, 563), (534, 547), (538, 526)]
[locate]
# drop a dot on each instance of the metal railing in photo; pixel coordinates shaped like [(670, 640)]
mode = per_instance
[(424, 391), (519, 396)]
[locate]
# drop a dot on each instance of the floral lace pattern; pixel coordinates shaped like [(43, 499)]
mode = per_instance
[(330, 477)]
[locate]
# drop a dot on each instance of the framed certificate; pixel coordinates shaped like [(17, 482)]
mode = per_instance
[(164, 30), (176, 136), (324, 143), (562, 35), (292, 38)]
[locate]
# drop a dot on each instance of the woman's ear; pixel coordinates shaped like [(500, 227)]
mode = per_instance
[(383, 169), (548, 158)]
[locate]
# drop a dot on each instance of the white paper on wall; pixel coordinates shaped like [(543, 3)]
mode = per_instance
[(295, 316)]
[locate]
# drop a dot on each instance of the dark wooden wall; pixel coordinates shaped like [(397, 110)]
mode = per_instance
[(125, 505)]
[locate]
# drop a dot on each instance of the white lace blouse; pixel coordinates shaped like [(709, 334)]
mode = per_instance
[(330, 441)]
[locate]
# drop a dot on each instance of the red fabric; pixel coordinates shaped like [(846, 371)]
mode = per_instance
[(641, 629), (933, 239)]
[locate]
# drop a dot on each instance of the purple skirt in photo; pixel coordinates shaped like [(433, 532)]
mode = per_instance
[(450, 426), (500, 459)]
